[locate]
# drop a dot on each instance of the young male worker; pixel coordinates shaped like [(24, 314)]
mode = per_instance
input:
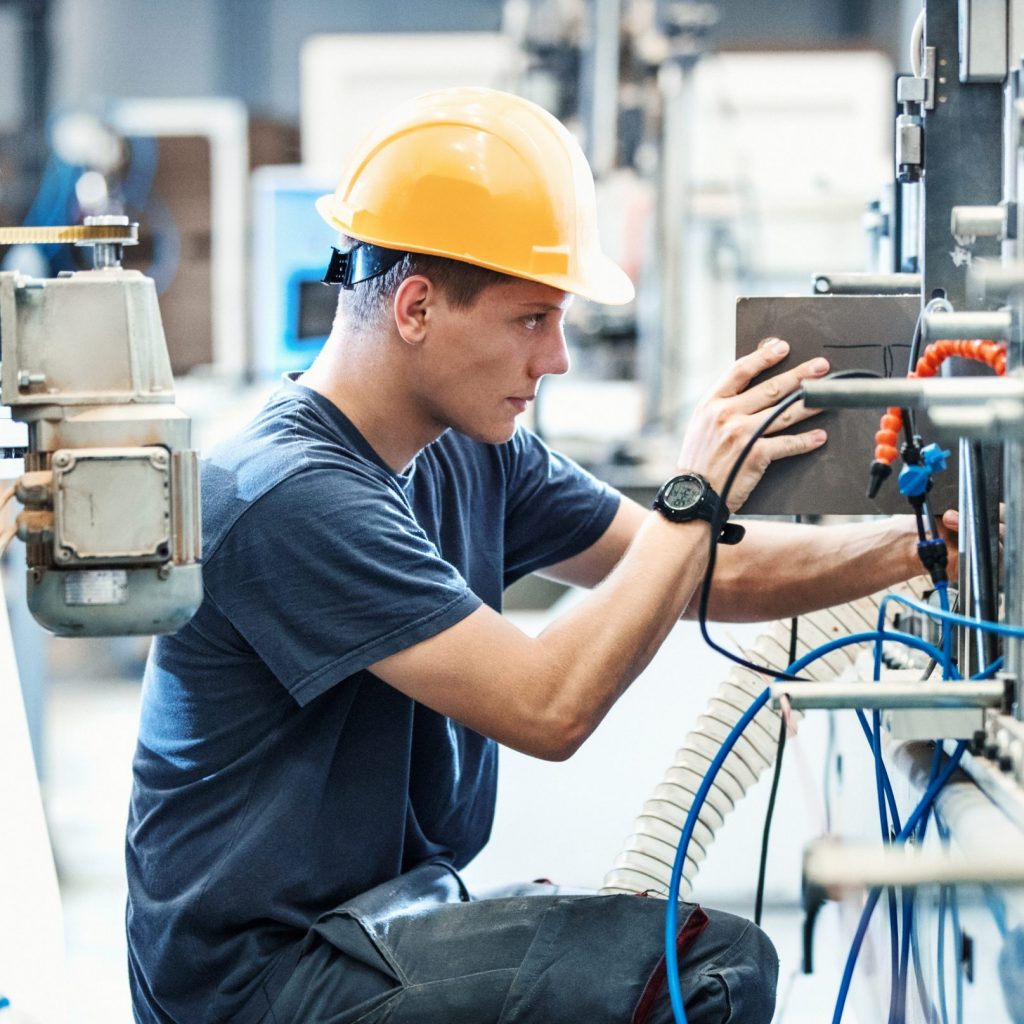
[(317, 749)]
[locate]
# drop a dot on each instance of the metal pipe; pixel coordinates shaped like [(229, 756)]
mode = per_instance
[(858, 393), (886, 694), (966, 324), (867, 284), (842, 866), (968, 223)]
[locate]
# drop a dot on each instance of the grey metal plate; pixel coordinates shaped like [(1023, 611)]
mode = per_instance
[(854, 332)]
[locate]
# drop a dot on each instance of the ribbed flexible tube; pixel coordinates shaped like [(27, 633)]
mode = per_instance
[(645, 863)]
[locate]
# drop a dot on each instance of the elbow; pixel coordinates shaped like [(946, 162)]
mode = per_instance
[(560, 736)]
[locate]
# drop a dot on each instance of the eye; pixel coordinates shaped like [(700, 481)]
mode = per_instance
[(533, 321)]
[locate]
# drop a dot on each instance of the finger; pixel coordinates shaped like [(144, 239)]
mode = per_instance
[(745, 369), (774, 389), (796, 413), (792, 444), (951, 520)]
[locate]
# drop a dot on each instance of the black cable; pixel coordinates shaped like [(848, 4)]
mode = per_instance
[(986, 587), (759, 898), (909, 423), (716, 529)]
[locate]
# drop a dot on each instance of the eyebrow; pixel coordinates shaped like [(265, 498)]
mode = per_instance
[(548, 307)]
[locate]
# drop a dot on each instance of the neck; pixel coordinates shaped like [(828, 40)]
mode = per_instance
[(356, 374)]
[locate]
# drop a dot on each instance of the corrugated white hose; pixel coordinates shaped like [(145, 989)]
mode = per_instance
[(645, 863)]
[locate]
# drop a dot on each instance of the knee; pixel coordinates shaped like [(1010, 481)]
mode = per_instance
[(737, 976), (749, 972), (764, 974)]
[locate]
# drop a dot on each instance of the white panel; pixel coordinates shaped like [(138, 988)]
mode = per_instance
[(11, 69), (791, 146), (31, 924), (349, 81), (133, 47), (225, 122)]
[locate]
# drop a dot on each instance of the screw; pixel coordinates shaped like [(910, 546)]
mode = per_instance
[(27, 379), (164, 572), (63, 459)]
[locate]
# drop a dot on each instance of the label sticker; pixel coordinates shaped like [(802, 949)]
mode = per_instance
[(97, 586)]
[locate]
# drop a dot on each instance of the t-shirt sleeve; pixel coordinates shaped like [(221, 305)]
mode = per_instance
[(328, 573), (554, 508)]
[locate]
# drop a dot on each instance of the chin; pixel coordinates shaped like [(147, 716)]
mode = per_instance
[(498, 433)]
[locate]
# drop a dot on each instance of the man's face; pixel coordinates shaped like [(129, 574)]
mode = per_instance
[(481, 366)]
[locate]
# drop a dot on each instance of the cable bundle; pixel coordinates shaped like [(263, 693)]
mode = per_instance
[(645, 863)]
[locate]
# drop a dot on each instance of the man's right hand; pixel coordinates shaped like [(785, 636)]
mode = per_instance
[(726, 419)]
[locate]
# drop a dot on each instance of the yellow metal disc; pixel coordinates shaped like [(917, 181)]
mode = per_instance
[(70, 233)]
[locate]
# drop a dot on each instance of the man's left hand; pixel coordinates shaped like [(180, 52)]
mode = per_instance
[(949, 527)]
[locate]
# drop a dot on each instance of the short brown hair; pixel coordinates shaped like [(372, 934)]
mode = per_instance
[(461, 283)]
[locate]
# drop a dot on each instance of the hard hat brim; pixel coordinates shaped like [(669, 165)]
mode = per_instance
[(604, 281)]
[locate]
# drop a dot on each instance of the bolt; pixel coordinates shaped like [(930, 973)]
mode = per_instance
[(164, 572), (63, 459), (64, 553), (27, 379)]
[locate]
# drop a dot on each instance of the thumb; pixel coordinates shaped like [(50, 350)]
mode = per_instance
[(951, 518)]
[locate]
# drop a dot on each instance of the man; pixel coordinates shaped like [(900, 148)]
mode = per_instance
[(317, 747)]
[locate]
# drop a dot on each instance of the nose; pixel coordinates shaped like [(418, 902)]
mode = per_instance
[(551, 355)]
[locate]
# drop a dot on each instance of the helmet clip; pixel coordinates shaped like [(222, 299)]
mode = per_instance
[(360, 263)]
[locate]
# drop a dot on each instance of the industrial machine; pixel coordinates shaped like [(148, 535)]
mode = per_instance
[(111, 487), (945, 741)]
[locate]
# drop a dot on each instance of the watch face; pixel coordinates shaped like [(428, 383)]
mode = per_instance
[(683, 493)]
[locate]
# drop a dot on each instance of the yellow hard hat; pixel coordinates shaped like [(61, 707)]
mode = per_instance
[(484, 177)]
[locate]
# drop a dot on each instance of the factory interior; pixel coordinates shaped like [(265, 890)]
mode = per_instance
[(844, 767)]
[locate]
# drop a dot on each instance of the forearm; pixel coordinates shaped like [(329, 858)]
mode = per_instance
[(785, 569), (603, 643)]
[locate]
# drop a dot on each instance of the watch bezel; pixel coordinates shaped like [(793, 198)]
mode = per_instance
[(676, 513), (671, 484)]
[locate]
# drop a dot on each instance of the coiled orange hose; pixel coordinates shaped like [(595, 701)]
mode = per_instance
[(991, 353)]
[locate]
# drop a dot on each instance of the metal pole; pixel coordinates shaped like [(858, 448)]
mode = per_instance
[(602, 134)]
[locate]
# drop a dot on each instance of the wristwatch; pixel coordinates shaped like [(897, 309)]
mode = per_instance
[(689, 496)]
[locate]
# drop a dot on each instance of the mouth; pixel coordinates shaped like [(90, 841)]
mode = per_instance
[(520, 401)]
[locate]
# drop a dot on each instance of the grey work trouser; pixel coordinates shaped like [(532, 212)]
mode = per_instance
[(417, 950)]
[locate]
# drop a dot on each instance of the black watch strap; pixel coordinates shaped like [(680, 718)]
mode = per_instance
[(732, 533)]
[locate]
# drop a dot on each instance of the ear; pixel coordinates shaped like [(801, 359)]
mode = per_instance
[(413, 305)]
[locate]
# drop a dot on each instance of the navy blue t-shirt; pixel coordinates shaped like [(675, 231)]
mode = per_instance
[(275, 777)]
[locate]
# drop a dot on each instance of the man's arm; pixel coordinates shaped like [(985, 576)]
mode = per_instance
[(778, 570), (545, 695)]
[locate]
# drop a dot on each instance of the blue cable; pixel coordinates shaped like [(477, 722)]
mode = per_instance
[(890, 797), (672, 913), (940, 954), (942, 589), (671, 917), (898, 989), (952, 617), (862, 926), (875, 740)]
